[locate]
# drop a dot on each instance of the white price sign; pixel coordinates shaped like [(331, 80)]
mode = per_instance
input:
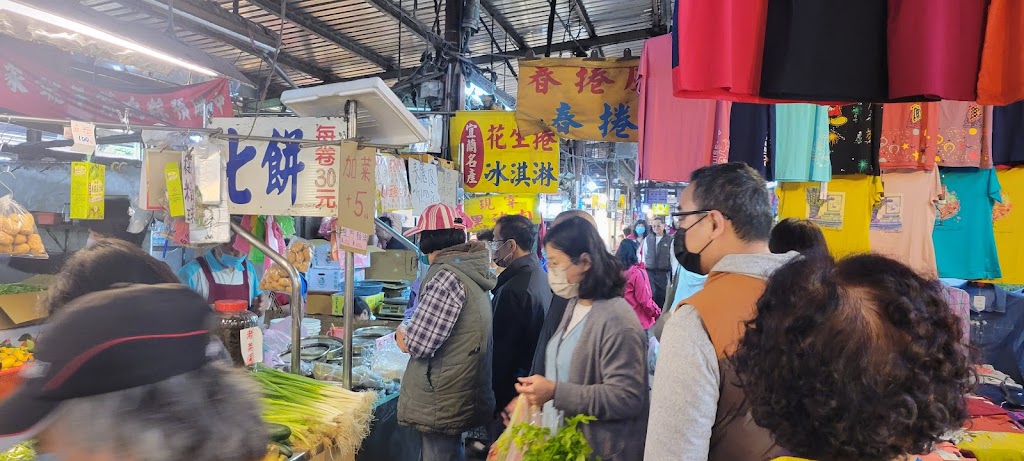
[(423, 184), (282, 177), (83, 134)]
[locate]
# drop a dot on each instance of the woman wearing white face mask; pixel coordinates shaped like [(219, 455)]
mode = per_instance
[(596, 361)]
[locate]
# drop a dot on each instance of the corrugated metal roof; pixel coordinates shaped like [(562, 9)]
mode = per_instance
[(383, 35)]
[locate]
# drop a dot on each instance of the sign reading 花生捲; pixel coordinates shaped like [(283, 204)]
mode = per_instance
[(497, 157), (594, 100), (282, 177)]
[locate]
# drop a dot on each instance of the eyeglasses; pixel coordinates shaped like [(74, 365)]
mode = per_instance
[(683, 214)]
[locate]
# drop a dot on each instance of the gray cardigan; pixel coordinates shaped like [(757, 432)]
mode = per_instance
[(608, 380)]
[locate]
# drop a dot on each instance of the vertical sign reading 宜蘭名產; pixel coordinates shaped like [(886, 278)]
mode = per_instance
[(497, 157), (585, 99), (285, 176)]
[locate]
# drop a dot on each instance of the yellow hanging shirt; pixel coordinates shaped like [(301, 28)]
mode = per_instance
[(1008, 226), (843, 213)]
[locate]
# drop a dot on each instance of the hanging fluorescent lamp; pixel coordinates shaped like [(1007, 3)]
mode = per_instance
[(81, 28)]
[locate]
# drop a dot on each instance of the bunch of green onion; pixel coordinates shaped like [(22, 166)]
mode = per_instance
[(318, 413), (21, 452)]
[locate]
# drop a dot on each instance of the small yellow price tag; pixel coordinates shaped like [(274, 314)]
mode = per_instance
[(175, 199)]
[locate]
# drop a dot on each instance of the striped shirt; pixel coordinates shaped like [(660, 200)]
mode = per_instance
[(438, 306)]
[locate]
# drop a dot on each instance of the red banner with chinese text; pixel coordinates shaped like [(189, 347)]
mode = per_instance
[(579, 98), (496, 157), (34, 89)]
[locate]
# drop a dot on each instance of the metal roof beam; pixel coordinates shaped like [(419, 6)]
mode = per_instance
[(611, 39), (389, 8), (214, 17), (502, 21), (326, 32), (582, 12), (229, 31), (388, 75)]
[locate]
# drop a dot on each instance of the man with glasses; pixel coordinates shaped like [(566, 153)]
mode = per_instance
[(521, 299), (697, 411), (658, 259)]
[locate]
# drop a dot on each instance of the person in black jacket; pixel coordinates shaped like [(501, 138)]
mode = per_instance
[(521, 299)]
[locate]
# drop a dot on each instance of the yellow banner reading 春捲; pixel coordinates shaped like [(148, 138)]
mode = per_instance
[(577, 98)]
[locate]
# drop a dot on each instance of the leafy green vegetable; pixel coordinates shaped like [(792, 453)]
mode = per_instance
[(21, 452), (568, 444), (18, 288)]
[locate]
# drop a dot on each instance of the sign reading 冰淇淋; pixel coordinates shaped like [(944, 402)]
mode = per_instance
[(577, 98), (485, 211), (282, 177), (496, 157)]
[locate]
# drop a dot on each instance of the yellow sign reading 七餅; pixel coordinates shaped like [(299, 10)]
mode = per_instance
[(88, 184), (485, 211), (593, 100), (497, 157)]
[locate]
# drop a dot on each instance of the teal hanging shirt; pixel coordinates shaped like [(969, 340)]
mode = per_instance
[(801, 143), (965, 247)]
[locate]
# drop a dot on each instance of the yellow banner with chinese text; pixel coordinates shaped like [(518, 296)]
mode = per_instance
[(497, 158), (485, 211), (579, 98)]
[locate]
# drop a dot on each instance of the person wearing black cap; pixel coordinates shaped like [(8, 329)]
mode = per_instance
[(126, 374)]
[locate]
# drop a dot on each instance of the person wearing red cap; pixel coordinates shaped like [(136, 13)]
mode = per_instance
[(446, 389)]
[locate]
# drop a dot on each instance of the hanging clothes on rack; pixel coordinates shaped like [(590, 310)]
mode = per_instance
[(751, 137), (901, 224), (1001, 78), (854, 138), (677, 136), (825, 51), (926, 60), (965, 246), (717, 49), (1008, 225), (907, 136), (801, 137), (965, 134), (843, 211), (1008, 134)]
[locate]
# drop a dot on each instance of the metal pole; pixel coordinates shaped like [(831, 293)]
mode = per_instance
[(397, 235), (349, 322), (298, 307), (351, 110)]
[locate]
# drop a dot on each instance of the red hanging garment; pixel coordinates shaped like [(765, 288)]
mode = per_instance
[(935, 48)]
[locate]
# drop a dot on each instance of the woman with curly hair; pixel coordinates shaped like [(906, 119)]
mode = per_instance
[(853, 360)]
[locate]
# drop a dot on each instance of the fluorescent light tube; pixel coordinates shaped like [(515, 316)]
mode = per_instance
[(98, 34)]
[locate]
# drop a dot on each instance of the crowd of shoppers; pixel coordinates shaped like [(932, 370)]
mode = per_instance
[(783, 351)]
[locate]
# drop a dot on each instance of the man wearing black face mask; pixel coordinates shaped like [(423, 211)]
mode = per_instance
[(521, 299), (724, 220)]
